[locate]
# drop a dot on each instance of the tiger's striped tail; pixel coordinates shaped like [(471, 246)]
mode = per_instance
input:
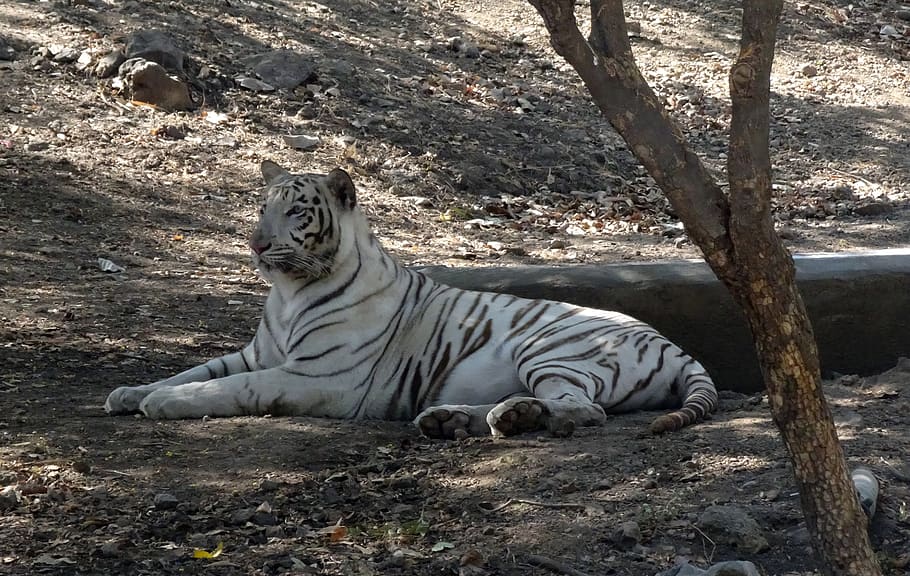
[(699, 401)]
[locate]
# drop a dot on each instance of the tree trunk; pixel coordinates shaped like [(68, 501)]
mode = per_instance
[(738, 239)]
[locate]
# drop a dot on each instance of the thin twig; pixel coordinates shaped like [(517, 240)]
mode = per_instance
[(115, 472), (554, 565), (512, 501), (556, 166), (851, 175), (708, 556)]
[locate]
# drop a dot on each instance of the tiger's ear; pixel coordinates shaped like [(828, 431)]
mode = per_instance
[(342, 187), (272, 171)]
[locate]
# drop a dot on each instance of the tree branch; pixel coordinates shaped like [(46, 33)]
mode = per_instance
[(606, 66)]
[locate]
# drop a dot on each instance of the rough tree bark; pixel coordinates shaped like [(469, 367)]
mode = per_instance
[(737, 237)]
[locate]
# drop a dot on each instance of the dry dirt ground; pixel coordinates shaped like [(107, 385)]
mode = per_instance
[(496, 159)]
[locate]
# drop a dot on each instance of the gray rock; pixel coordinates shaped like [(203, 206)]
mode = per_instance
[(149, 82), (66, 55), (301, 141), (155, 46), (263, 518), (469, 50), (268, 485), (283, 69), (338, 67), (9, 498), (627, 535), (731, 568), (110, 549), (85, 59), (734, 526), (809, 71), (165, 501), (109, 65), (6, 51), (242, 516), (873, 209), (683, 570)]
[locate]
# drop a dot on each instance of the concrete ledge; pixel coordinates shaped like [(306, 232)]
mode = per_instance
[(859, 305)]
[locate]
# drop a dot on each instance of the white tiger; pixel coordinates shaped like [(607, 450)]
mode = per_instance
[(347, 332)]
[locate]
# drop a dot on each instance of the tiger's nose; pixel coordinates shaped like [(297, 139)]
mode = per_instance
[(259, 247)]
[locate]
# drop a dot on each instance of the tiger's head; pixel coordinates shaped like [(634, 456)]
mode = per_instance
[(300, 227)]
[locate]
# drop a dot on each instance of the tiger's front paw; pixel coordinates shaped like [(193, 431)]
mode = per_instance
[(125, 399), (171, 403)]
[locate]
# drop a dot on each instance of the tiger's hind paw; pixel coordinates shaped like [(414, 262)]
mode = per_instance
[(517, 416), (453, 422), (559, 417)]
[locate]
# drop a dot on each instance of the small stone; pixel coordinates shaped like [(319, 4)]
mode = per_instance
[(63, 54), (403, 482), (627, 535), (165, 501), (903, 14), (283, 69), (242, 516), (254, 84), (36, 146), (263, 516), (9, 498), (149, 82), (733, 568), (734, 526), (418, 201), (301, 141), (338, 67), (397, 558), (6, 51), (683, 570), (108, 65), (809, 71), (873, 209), (469, 50), (110, 549), (889, 31), (771, 495), (85, 59), (155, 46), (268, 485)]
